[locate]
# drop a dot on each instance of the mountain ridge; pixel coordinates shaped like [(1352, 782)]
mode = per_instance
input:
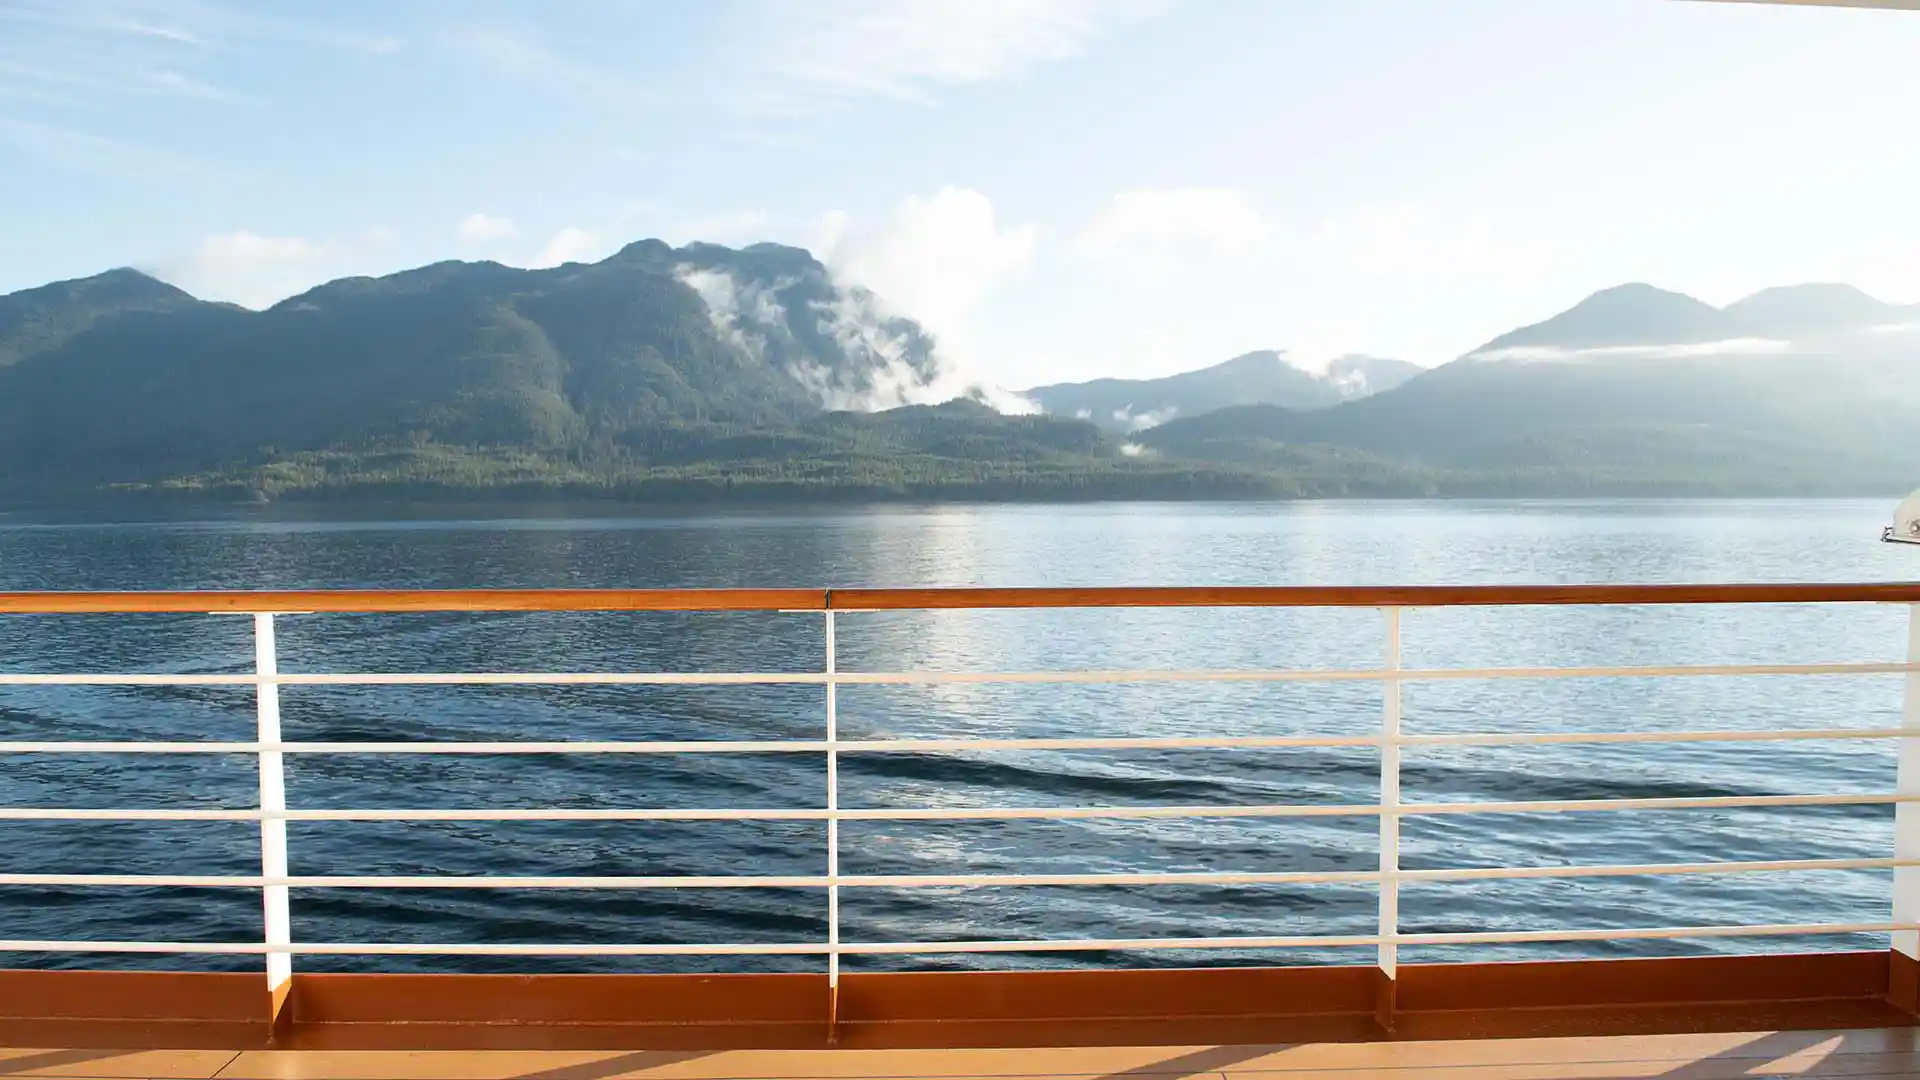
[(1638, 314), (705, 372), (1264, 376)]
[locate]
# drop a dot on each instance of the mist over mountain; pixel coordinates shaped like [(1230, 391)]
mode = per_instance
[(1805, 388), (1357, 376), (707, 372), (1255, 378), (1641, 318)]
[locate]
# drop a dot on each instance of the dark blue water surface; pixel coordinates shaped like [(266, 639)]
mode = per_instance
[(1351, 543)]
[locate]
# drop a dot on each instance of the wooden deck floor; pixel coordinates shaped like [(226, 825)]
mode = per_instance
[(1858, 1054)]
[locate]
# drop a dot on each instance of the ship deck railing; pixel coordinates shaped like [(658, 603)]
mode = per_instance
[(1379, 997)]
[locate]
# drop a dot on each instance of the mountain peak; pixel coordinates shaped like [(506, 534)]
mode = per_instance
[(1830, 292), (1632, 314), (1636, 292), (1811, 308), (1640, 303), (1261, 377), (36, 320), (122, 284), (652, 249), (1259, 360)]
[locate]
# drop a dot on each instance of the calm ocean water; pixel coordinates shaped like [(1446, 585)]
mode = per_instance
[(1348, 543)]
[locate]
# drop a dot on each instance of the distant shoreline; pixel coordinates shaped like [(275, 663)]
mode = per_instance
[(450, 505)]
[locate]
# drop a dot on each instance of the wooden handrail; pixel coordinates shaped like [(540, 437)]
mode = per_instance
[(481, 600), (371, 600), (1376, 596)]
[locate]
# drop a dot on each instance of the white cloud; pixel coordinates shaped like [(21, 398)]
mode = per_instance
[(570, 244), (204, 23), (836, 49), (1142, 421), (88, 85), (480, 228), (175, 83), (859, 323), (745, 314), (257, 271), (1405, 239), (108, 57), (120, 48), (935, 259), (1381, 279), (138, 28), (1556, 354), (1214, 220), (888, 370), (519, 53)]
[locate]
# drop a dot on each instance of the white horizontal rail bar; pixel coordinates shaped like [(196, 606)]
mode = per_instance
[(679, 882), (1690, 802), (715, 746), (244, 948), (162, 814), (466, 678), (433, 881), (909, 881), (1290, 877), (1546, 738), (873, 814), (899, 746), (984, 813), (1334, 941), (1758, 866), (1072, 813), (901, 948), (936, 947), (696, 747), (893, 678), (1150, 675), (1654, 933), (1202, 742)]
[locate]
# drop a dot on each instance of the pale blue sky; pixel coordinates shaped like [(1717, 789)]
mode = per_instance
[(1060, 188)]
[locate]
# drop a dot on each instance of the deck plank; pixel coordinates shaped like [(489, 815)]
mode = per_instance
[(1861, 1055), (72, 1064)]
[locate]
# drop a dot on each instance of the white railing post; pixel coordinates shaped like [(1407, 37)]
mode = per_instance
[(273, 798), (1389, 930), (1906, 815), (833, 816)]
